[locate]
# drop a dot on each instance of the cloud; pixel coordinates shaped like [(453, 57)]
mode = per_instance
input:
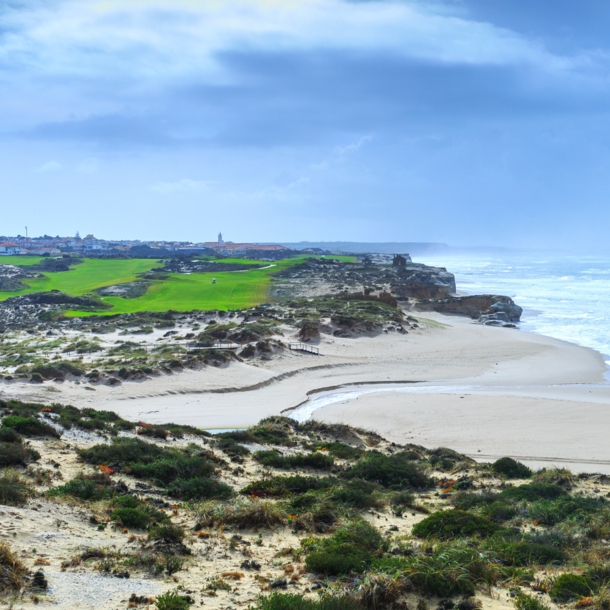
[(51, 166), (181, 186)]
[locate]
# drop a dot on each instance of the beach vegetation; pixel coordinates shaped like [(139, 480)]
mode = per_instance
[(14, 489), (395, 471), (570, 587), (511, 469), (274, 459), (296, 601), (173, 601), (529, 602), (30, 426), (454, 523)]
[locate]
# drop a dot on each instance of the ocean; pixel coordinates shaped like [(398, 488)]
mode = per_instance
[(563, 296)]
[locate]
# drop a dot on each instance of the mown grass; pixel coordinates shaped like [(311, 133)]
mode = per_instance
[(178, 292)]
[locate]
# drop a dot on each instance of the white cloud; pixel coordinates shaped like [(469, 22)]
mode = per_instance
[(181, 186), (51, 166), (175, 38)]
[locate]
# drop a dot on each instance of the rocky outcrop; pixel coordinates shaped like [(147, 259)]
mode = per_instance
[(416, 281), (489, 309)]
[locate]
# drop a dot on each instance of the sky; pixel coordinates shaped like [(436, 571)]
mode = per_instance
[(469, 122)]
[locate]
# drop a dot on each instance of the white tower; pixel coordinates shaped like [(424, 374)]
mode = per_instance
[(220, 240)]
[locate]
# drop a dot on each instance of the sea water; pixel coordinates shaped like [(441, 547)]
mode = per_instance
[(566, 296)]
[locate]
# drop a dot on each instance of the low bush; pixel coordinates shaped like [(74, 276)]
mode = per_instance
[(230, 446), (547, 512), (274, 459), (342, 451), (30, 426), (532, 492), (169, 469), (132, 517), (393, 471), (172, 601), (465, 500), (167, 531), (357, 494), (295, 601), (529, 602), (123, 452), (527, 553), (570, 587), (350, 549), (14, 490), (500, 511), (199, 489), (449, 571), (285, 486), (8, 435), (85, 487), (16, 454), (454, 523), (243, 514), (511, 469)]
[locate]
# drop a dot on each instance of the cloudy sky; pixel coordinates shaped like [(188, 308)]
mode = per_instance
[(472, 122)]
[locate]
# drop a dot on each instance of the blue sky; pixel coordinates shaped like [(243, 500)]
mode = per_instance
[(472, 122)]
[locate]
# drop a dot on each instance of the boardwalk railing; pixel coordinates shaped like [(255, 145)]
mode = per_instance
[(303, 347), (193, 347)]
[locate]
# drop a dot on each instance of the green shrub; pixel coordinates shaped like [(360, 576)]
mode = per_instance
[(123, 452), (511, 469), (454, 523), (231, 447), (356, 493), (343, 451), (169, 469), (168, 531), (30, 426), (284, 486), (350, 549), (527, 553), (500, 511), (295, 601), (532, 492), (394, 471), (172, 601), (8, 435), (14, 490), (548, 512), (449, 571), (15, 454), (199, 489), (465, 500), (529, 602), (132, 517), (87, 488), (273, 459), (569, 587)]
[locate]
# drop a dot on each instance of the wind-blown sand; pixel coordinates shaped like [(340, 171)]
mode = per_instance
[(521, 405)]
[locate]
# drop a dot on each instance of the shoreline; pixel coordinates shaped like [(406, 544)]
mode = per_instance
[(527, 377)]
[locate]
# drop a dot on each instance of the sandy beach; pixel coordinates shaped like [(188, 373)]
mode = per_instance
[(504, 392)]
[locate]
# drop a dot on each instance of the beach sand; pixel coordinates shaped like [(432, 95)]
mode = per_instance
[(533, 396)]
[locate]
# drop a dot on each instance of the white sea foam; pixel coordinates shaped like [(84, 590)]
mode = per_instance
[(563, 296)]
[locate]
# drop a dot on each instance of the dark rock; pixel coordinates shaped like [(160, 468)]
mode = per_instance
[(279, 583), (39, 581), (495, 308)]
